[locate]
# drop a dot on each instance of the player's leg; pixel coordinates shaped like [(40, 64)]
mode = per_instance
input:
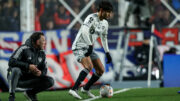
[(99, 71), (13, 78), (96, 75), (87, 64)]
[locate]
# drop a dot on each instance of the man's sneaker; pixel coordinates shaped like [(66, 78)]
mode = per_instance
[(179, 92), (74, 94), (87, 92), (11, 97), (30, 97)]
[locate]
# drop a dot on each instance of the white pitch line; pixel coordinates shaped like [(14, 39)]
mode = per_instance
[(116, 92)]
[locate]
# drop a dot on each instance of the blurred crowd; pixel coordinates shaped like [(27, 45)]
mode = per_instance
[(51, 14), (146, 12), (9, 15)]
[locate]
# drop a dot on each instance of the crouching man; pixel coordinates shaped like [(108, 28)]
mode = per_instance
[(27, 68)]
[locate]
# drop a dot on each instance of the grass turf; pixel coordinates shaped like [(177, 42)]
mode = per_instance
[(143, 94)]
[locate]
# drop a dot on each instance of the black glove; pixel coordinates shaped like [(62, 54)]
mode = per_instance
[(90, 49), (109, 59)]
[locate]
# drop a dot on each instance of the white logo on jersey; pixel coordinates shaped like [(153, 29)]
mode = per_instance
[(39, 59), (29, 58)]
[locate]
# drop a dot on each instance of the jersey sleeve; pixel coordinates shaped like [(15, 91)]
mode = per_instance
[(88, 22), (15, 59), (104, 37)]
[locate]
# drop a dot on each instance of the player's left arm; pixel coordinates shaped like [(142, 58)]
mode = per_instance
[(104, 42)]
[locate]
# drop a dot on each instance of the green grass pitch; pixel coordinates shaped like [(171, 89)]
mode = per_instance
[(142, 94)]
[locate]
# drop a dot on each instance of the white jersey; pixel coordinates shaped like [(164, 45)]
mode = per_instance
[(91, 29)]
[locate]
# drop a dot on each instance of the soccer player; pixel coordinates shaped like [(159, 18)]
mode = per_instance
[(94, 26), (27, 68)]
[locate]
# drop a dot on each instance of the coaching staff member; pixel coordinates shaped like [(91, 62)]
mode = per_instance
[(27, 68)]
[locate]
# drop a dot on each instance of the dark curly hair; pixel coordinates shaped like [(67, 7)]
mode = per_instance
[(36, 36), (105, 5)]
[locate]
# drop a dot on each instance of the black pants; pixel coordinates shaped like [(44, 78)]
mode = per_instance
[(36, 84)]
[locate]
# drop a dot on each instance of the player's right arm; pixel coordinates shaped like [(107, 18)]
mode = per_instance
[(85, 29)]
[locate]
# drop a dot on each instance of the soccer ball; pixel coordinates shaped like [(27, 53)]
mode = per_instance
[(106, 91)]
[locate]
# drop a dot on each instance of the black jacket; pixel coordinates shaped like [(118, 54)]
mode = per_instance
[(25, 55)]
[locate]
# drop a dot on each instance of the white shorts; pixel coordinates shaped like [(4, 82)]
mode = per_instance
[(80, 53)]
